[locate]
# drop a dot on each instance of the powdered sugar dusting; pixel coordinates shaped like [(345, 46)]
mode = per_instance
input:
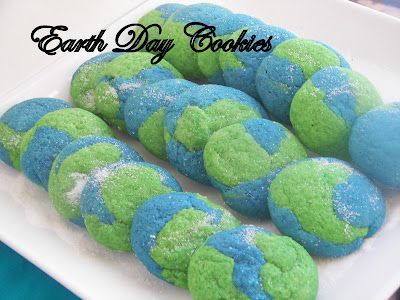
[(248, 235), (127, 86), (74, 195), (89, 100), (345, 212)]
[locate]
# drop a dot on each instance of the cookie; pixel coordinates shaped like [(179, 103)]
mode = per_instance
[(325, 205), (325, 107), (239, 68), (195, 115), (182, 55), (167, 229), (144, 112), (208, 61), (374, 144), (249, 262), (113, 194), (17, 120), (103, 84), (44, 141), (73, 166), (289, 66), (239, 158)]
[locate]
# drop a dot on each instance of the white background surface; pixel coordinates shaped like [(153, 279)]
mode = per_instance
[(20, 57), (30, 225)]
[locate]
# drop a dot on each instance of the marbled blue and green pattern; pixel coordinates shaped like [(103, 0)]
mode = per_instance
[(325, 107), (73, 166), (325, 205), (208, 61), (239, 68), (103, 84), (51, 134), (17, 120), (182, 55), (282, 73), (167, 229), (249, 262), (195, 116), (112, 196), (144, 112), (240, 158)]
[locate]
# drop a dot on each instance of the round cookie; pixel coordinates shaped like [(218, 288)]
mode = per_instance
[(103, 84), (112, 196), (239, 68), (17, 120), (144, 112), (167, 229), (43, 142), (239, 158), (182, 55), (374, 144), (249, 262), (195, 115), (326, 106), (287, 68), (208, 61), (75, 163), (325, 205)]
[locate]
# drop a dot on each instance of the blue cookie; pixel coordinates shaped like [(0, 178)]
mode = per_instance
[(374, 144)]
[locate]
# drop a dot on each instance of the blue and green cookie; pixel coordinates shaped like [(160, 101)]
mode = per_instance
[(374, 144), (240, 158), (195, 115), (239, 67), (54, 131), (325, 205), (73, 166), (182, 55), (103, 84), (289, 66), (112, 196), (325, 107), (17, 120), (208, 61), (249, 262), (144, 112), (167, 229)]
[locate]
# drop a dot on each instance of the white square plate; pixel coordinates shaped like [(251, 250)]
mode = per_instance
[(30, 225)]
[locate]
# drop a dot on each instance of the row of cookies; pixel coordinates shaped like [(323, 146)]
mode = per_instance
[(102, 184)]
